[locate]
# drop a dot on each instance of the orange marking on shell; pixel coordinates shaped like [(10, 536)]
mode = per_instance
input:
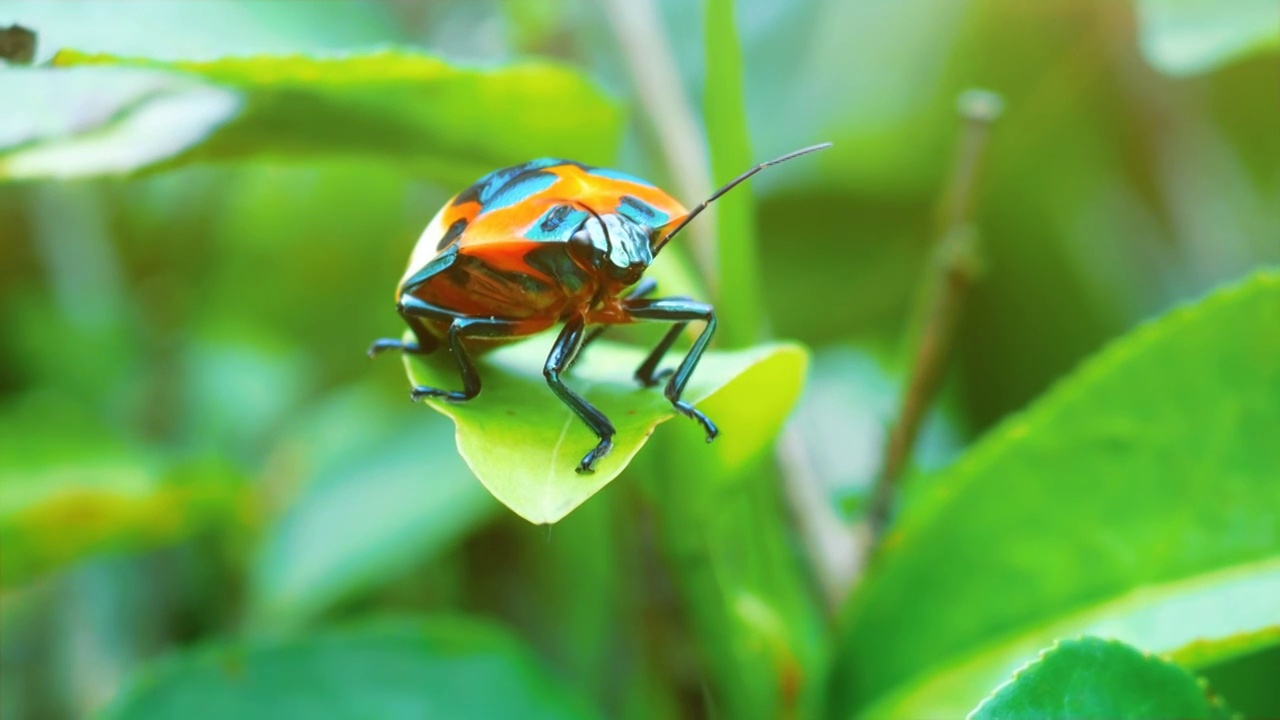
[(602, 194)]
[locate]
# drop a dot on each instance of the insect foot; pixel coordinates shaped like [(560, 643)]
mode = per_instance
[(690, 411), (588, 464), (422, 391)]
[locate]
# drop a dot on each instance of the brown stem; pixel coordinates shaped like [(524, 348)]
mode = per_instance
[(652, 67), (956, 268)]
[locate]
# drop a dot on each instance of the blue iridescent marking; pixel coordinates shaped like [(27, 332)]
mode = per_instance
[(619, 175), (518, 190), (556, 224), (641, 212)]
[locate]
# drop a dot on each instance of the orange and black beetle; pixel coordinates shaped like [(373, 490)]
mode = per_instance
[(545, 242)]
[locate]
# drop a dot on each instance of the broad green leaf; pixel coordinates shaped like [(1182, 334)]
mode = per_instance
[(93, 121), (109, 114), (69, 491), (1091, 677), (1205, 653), (525, 445), (1196, 623), (207, 29), (384, 491), (1186, 37), (437, 668), (1136, 501)]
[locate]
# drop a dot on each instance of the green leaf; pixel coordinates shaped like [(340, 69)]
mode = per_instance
[(93, 121), (1187, 37), (1136, 502), (1247, 683), (449, 123), (385, 491), (1090, 677), (524, 444), (70, 491), (441, 668)]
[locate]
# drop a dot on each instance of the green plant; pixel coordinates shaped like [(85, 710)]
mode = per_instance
[(211, 503)]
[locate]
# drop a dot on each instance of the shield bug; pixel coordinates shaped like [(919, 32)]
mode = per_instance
[(547, 242)]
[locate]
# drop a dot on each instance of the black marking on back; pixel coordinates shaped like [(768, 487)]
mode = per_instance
[(493, 184), (639, 206), (553, 260), (438, 264), (459, 273), (552, 220), (452, 234)]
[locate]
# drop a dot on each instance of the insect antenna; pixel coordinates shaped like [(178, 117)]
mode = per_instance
[(731, 185)]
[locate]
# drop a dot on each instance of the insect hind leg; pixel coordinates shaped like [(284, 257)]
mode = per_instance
[(461, 327), (424, 343)]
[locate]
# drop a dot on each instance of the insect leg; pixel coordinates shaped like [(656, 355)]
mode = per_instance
[(425, 342), (680, 311), (563, 353), (461, 327), (644, 287), (647, 374)]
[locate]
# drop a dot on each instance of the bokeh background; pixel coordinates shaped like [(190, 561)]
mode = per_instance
[(193, 447)]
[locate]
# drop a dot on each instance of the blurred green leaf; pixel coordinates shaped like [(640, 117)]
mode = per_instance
[(91, 121), (1186, 37), (1066, 514), (70, 490), (726, 533), (525, 444), (842, 419), (449, 123), (203, 30), (438, 668), (236, 390), (388, 492), (1091, 677), (1247, 683), (1210, 652)]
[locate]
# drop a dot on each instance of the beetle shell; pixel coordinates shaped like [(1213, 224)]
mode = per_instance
[(500, 248)]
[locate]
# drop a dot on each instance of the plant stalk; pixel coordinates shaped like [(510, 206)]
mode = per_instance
[(738, 300), (956, 268)]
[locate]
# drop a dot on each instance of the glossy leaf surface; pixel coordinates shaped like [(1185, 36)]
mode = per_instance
[(1089, 677), (1061, 520), (524, 444)]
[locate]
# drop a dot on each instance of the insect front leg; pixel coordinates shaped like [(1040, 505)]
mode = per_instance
[(642, 288), (563, 353), (681, 311), (461, 328)]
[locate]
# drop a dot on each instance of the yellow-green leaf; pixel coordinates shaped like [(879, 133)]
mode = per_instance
[(524, 444)]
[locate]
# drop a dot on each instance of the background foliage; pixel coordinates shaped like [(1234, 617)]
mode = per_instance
[(211, 501)]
